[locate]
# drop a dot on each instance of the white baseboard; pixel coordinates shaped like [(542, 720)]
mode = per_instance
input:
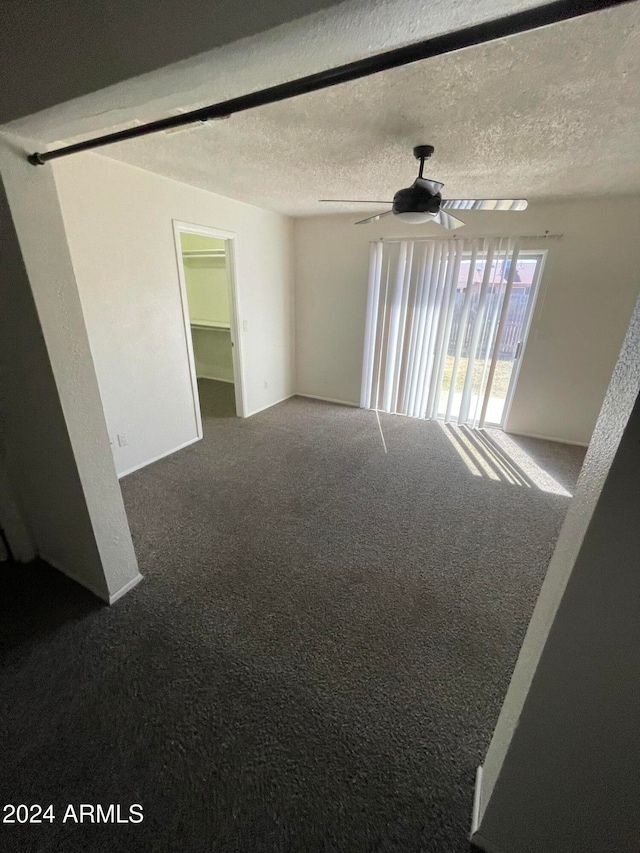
[(328, 400), (269, 405), (160, 456), (125, 589), (214, 378), (475, 812), (475, 836), (108, 599), (548, 438), (103, 596), (482, 844)]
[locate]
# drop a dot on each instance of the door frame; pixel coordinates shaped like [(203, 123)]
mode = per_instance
[(526, 327), (229, 237)]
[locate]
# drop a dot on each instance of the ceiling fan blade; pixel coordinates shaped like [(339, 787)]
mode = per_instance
[(433, 186), (355, 201), (374, 218), (484, 204), (447, 221)]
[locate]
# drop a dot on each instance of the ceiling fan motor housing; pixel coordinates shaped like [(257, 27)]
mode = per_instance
[(416, 199), (422, 201), (423, 152)]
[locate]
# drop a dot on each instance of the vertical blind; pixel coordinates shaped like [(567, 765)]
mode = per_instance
[(419, 291)]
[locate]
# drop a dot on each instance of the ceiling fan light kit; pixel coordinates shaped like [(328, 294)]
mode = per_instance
[(414, 217), (422, 201)]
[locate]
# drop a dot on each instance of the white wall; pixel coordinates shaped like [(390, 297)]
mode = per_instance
[(213, 354), (207, 290), (206, 279), (119, 225), (561, 772), (590, 285), (54, 436)]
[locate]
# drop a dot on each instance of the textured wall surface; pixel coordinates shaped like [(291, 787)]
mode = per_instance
[(131, 300), (588, 292), (561, 772), (55, 438)]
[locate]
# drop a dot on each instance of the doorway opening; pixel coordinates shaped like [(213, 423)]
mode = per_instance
[(489, 378), (209, 304)]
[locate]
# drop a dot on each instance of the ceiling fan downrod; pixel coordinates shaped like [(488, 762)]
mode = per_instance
[(422, 153)]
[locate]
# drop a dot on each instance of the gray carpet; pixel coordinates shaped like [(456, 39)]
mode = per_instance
[(316, 657)]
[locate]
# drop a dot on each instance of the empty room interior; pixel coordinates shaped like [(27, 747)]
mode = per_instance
[(318, 447)]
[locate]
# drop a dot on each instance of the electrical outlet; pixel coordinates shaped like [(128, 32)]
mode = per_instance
[(245, 325), (266, 384), (122, 439)]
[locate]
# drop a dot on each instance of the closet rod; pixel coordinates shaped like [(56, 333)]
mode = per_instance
[(498, 28)]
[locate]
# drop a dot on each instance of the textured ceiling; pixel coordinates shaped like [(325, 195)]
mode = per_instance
[(552, 113)]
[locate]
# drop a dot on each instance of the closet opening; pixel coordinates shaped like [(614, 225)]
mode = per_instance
[(209, 303)]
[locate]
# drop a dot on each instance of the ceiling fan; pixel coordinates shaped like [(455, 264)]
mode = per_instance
[(422, 202)]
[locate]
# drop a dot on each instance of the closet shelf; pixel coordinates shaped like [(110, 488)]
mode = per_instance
[(204, 324), (204, 253)]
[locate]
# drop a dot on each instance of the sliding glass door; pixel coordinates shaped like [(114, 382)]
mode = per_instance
[(497, 385), (446, 325)]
